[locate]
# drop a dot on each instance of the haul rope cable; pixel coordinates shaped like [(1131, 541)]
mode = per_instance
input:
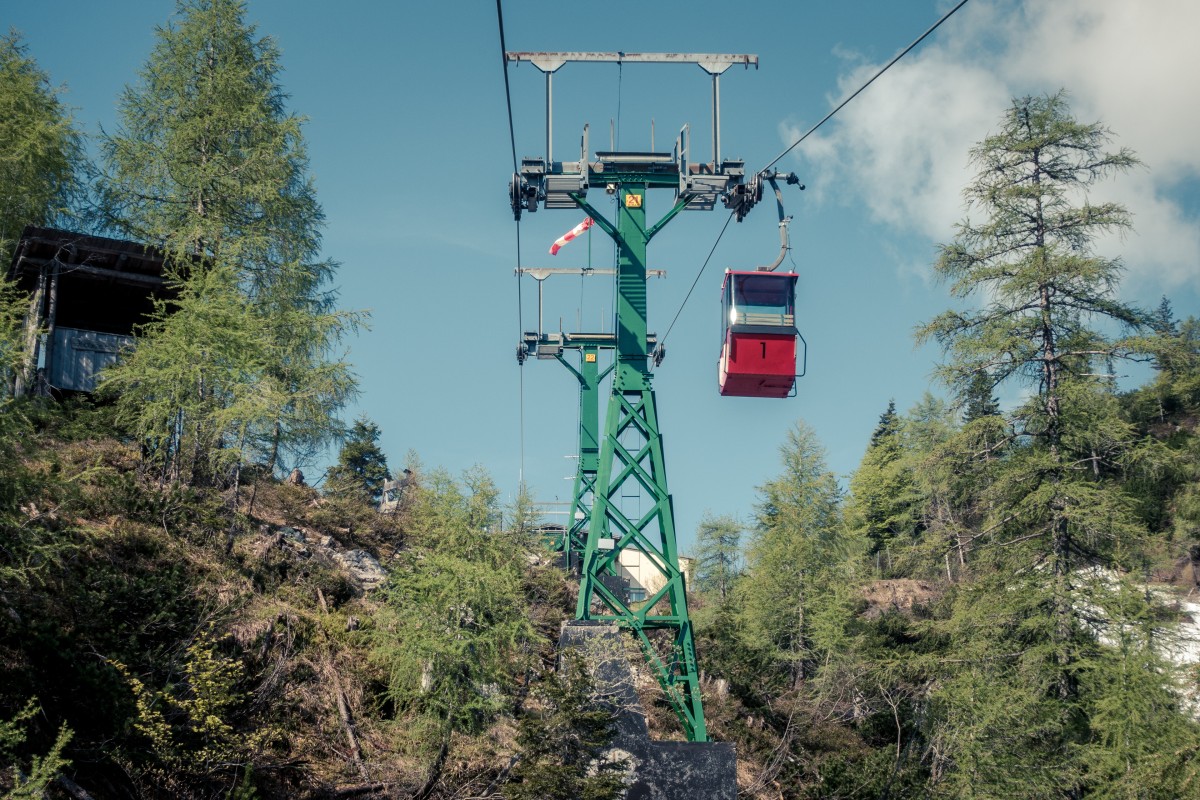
[(810, 132), (512, 138), (860, 89)]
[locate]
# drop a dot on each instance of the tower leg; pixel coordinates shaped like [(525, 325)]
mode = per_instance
[(631, 454), (589, 449)]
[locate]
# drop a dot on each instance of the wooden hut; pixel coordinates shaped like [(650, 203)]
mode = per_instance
[(86, 294)]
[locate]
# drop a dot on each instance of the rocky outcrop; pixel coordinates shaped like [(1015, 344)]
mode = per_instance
[(363, 568), (653, 770)]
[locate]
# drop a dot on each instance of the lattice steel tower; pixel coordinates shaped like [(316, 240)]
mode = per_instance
[(628, 452)]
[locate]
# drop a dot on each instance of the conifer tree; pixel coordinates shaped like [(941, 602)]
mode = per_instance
[(210, 166), (978, 400), (884, 500), (42, 164), (187, 389), (1046, 290), (13, 306), (926, 499), (719, 568), (362, 467), (793, 579), (1049, 634), (1175, 346), (718, 555), (523, 516), (454, 633), (41, 150), (562, 741), (1166, 410)]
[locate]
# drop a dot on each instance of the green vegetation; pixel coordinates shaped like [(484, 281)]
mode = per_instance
[(561, 741), (989, 612), (42, 176), (210, 167), (995, 615), (453, 636), (144, 652), (42, 166), (795, 567), (361, 467)]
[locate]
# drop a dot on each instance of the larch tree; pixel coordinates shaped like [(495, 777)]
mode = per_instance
[(794, 563), (718, 555), (926, 498), (884, 499), (1166, 409), (13, 307), (1052, 630), (1046, 299), (189, 389), (454, 637), (719, 567), (42, 157), (562, 737), (42, 165), (210, 166)]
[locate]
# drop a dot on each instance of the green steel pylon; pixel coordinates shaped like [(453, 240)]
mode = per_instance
[(631, 452), (589, 375), (630, 447)]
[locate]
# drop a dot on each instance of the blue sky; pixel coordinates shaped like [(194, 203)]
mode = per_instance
[(408, 141)]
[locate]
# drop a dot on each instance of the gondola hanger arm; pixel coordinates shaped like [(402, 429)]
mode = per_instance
[(784, 220)]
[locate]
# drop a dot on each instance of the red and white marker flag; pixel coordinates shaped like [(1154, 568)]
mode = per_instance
[(569, 235)]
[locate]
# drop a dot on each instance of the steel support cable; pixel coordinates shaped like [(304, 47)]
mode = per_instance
[(520, 367), (616, 145), (810, 132), (860, 89), (724, 227), (512, 138)]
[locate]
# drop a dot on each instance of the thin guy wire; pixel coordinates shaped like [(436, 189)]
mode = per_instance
[(616, 250), (886, 67), (620, 76)]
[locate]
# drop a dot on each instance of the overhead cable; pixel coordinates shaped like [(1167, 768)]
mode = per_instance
[(698, 274), (512, 138), (811, 131), (860, 89)]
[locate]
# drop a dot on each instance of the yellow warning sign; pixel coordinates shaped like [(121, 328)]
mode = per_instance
[(633, 200), (589, 357)]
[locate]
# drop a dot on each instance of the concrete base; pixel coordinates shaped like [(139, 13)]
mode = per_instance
[(656, 770)]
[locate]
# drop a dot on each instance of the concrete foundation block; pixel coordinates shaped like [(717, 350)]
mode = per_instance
[(655, 770)]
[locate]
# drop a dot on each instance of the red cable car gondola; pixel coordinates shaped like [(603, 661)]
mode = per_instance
[(758, 347)]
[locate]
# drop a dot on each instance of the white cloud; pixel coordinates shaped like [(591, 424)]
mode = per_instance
[(1163, 250), (901, 147), (1132, 65)]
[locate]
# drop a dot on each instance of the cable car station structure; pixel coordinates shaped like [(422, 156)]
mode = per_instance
[(628, 450)]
